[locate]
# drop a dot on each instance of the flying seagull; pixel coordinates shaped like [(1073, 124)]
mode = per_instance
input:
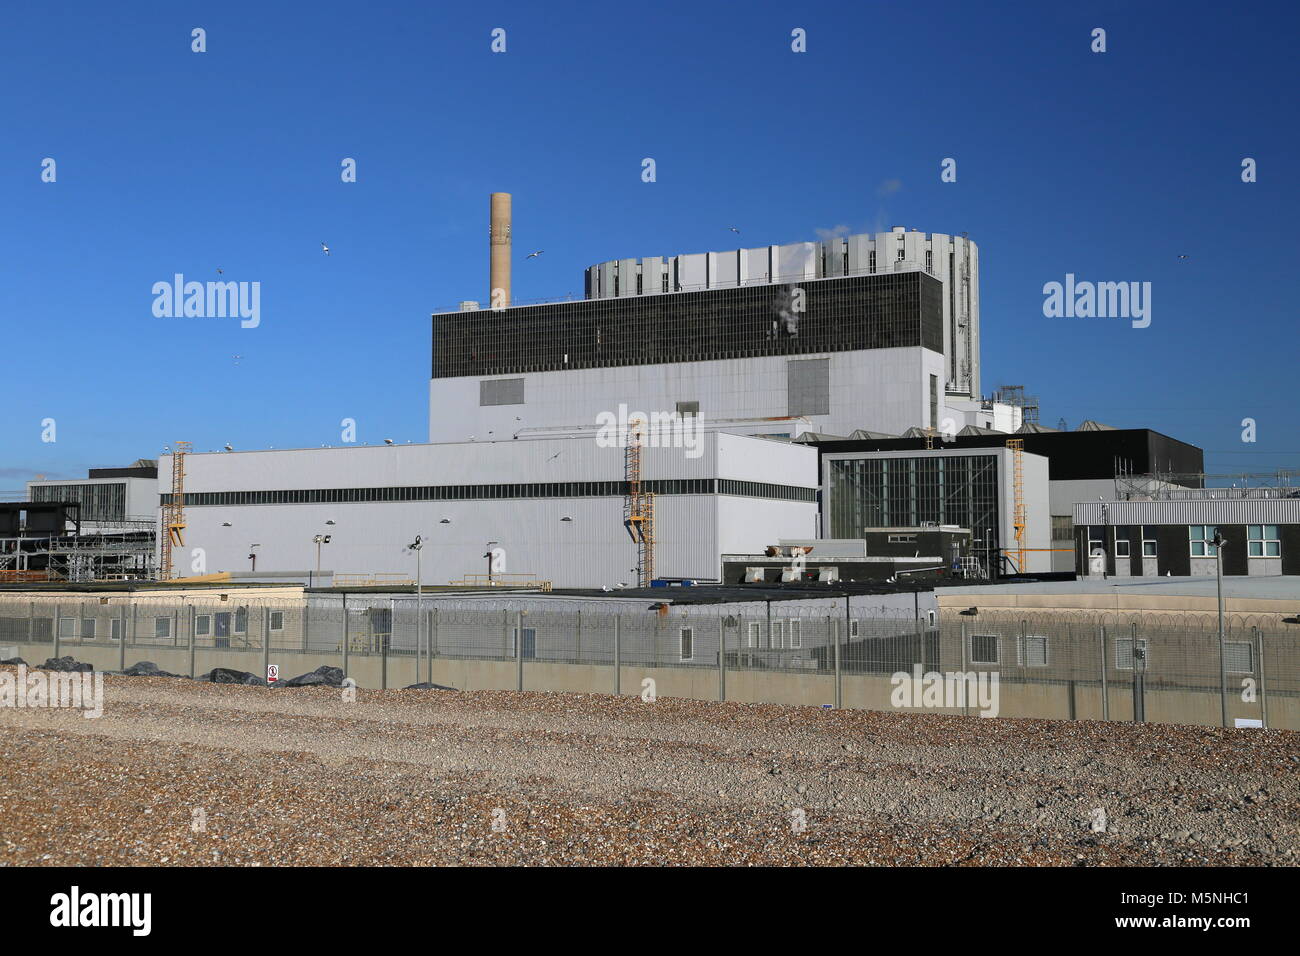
[(325, 248), (221, 272), (228, 447), (1182, 257), (734, 229), (534, 255)]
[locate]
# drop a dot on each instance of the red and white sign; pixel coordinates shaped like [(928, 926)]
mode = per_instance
[(272, 673)]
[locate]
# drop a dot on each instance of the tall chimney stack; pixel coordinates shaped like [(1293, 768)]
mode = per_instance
[(500, 269)]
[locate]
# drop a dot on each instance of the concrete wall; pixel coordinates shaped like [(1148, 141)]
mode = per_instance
[(872, 692), (884, 390)]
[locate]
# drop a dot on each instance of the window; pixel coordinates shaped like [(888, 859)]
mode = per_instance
[(871, 261), (241, 620), (902, 539), (87, 628), (203, 625), (1201, 536), (687, 644), (929, 261), (1263, 541), (796, 634), (984, 649), (1121, 547), (1096, 539), (115, 629), (1148, 544), (1062, 527), (1124, 654), (930, 617), (853, 628), (67, 627), (777, 637), (753, 635), (162, 628), (1033, 651), (277, 620), (1239, 657)]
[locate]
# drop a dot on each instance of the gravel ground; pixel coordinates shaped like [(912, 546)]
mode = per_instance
[(179, 773)]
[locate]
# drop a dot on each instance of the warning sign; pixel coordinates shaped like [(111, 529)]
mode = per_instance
[(272, 673)]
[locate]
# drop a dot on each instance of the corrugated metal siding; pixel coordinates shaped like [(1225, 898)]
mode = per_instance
[(1198, 511)]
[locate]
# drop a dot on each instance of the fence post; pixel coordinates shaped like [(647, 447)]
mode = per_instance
[(193, 616), (519, 650), (121, 646), (306, 624), (618, 658), (383, 649), (722, 658), (1105, 690), (58, 623), (839, 672), (347, 638), (266, 641), (1263, 698), (965, 684), (577, 652), (31, 622), (431, 628), (1139, 676)]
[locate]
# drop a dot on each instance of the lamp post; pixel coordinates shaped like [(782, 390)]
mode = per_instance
[(319, 540), (415, 546), (252, 554), (1219, 542), (489, 555), (1105, 539)]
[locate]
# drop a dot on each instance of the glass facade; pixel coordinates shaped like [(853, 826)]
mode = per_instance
[(557, 489), (893, 310), (99, 502), (906, 492)]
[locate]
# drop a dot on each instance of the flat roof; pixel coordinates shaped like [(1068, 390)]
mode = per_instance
[(1235, 586)]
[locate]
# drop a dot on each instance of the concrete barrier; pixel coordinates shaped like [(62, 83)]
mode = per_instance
[(1058, 701)]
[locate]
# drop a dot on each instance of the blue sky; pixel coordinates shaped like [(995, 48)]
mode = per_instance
[(1109, 166)]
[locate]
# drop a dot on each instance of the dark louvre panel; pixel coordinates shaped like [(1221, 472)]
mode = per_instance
[(893, 310)]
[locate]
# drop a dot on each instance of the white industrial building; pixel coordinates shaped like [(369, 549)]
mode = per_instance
[(551, 509)]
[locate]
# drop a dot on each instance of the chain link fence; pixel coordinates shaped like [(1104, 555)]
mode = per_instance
[(1102, 654)]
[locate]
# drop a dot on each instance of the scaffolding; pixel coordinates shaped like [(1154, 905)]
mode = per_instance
[(639, 505), (1020, 519), (1015, 395), (173, 512), (121, 550), (1181, 485)]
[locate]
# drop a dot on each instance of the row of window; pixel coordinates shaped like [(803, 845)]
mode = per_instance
[(236, 622), (1262, 541), (1032, 651), (561, 489)]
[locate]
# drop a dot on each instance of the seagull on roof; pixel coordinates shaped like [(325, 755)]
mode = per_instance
[(325, 248), (534, 255), (228, 448), (388, 441)]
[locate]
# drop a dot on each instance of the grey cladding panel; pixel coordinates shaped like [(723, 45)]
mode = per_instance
[(808, 385), (501, 391)]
